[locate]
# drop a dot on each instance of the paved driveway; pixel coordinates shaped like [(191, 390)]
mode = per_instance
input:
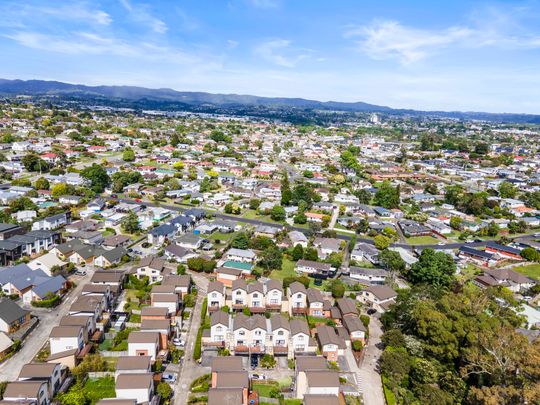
[(10, 369), (369, 378)]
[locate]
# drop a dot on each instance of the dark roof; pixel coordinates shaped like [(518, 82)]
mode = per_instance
[(10, 311), (502, 248), (475, 252)]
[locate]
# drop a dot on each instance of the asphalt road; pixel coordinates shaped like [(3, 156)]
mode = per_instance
[(10, 369), (451, 245)]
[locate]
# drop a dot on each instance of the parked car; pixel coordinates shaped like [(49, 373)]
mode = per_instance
[(80, 273), (178, 342), (258, 377), (254, 362)]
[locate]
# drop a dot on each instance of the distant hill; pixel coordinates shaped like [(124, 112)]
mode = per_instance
[(169, 99)]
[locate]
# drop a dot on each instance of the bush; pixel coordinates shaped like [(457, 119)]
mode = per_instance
[(50, 301), (357, 345), (365, 320), (268, 361), (197, 352), (201, 384)]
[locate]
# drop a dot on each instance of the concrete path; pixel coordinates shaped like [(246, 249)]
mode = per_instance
[(369, 378)]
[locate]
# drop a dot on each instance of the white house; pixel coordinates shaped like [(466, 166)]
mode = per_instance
[(64, 338), (135, 386)]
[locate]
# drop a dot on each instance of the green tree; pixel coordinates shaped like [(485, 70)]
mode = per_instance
[(381, 242), (278, 213), (268, 361), (507, 190), (311, 254), (392, 261), (128, 155), (33, 163), (164, 390), (130, 223), (240, 241), (433, 268), (271, 258), (456, 223), (297, 252), (530, 254), (387, 196), (98, 177), (42, 184)]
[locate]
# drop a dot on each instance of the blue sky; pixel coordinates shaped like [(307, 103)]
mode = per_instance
[(447, 55)]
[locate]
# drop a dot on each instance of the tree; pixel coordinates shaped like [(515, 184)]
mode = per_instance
[(337, 288), (33, 163), (357, 345), (392, 261), (530, 254), (268, 361), (75, 396), (297, 252), (42, 184), (130, 223), (456, 223), (493, 229), (311, 254), (164, 390), (98, 177), (381, 242), (254, 203), (174, 141), (300, 218), (286, 193), (240, 241), (387, 196), (481, 148), (507, 190), (271, 258), (59, 189), (278, 213), (363, 195), (433, 268), (128, 155), (394, 338)]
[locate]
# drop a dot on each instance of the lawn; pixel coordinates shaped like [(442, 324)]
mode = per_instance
[(530, 270), (264, 389), (287, 270), (422, 240), (99, 388), (469, 272), (224, 237)]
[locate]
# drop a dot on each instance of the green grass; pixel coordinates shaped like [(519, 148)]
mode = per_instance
[(264, 389), (469, 272), (224, 237), (530, 270), (388, 394), (106, 345), (99, 388), (422, 240), (287, 270)]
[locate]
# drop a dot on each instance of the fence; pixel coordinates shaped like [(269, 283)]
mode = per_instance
[(100, 374), (267, 400), (106, 353)]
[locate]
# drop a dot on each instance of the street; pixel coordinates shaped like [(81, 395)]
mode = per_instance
[(10, 369), (368, 375), (190, 369)]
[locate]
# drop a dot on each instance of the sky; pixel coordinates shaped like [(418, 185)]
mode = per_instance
[(429, 55)]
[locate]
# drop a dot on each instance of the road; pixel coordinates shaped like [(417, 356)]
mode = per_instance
[(10, 369), (451, 245), (190, 369), (368, 375)]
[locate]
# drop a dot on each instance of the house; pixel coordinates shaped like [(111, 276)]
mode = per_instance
[(355, 327), (6, 344), (514, 281), (301, 341), (151, 267), (368, 275), (116, 241), (312, 267), (219, 328), (327, 246), (135, 386), (50, 373), (108, 258), (161, 326), (315, 302), (70, 199), (347, 306), (47, 263), (379, 297), (331, 344), (413, 228), (64, 338), (52, 222), (365, 251), (480, 257), (154, 313), (181, 283), (314, 378), (161, 233), (178, 253), (133, 365), (86, 322), (165, 296), (504, 251), (297, 296), (33, 393), (9, 230), (191, 241), (12, 317), (41, 290), (215, 295), (249, 333), (298, 238), (227, 275), (266, 230), (96, 205), (240, 255), (280, 334), (143, 344)]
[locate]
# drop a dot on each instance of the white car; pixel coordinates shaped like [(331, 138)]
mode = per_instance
[(258, 377), (178, 342)]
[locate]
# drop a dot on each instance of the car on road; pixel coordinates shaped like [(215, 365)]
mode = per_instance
[(178, 342), (80, 273), (371, 311), (258, 377), (114, 196), (441, 244), (469, 241), (138, 200)]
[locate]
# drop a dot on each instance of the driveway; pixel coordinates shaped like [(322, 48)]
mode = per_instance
[(10, 369), (369, 379), (190, 369)]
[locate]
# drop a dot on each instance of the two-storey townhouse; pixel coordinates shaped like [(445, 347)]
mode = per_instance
[(249, 333), (143, 344), (255, 297), (297, 295), (239, 295), (279, 334), (50, 373), (274, 295), (65, 338), (218, 335), (301, 341), (315, 302), (215, 295)]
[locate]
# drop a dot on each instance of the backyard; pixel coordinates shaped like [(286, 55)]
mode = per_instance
[(422, 240), (530, 270)]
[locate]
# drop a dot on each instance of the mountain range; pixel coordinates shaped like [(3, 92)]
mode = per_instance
[(139, 97)]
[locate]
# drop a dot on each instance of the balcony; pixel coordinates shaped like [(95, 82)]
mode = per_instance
[(257, 310), (273, 307), (281, 350), (299, 310), (213, 308), (249, 349)]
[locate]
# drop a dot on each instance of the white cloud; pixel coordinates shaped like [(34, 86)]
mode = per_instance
[(390, 39), (277, 51), (140, 14)]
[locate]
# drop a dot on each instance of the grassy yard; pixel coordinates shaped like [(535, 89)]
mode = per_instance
[(99, 388), (468, 272), (287, 270), (530, 270), (422, 240), (264, 389), (252, 214)]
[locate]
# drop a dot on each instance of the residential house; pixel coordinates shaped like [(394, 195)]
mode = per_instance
[(135, 386), (143, 344), (379, 297)]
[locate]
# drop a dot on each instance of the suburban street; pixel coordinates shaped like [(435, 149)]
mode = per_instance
[(190, 369), (10, 369), (369, 378)]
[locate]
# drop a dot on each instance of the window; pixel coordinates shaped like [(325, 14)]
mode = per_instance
[(258, 333), (241, 333), (238, 292), (219, 328), (255, 295), (214, 295), (280, 333)]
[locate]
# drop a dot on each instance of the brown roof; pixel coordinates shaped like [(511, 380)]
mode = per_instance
[(153, 324), (219, 317), (239, 284), (143, 337), (37, 370), (382, 292), (304, 363), (327, 335), (96, 288), (320, 378), (279, 321), (257, 286), (134, 381), (232, 379), (133, 363), (115, 240), (222, 396), (23, 389), (107, 276), (154, 311), (65, 331), (163, 289), (183, 280), (72, 320), (86, 303), (115, 401), (296, 287), (353, 323), (347, 306), (249, 322), (299, 326), (61, 355), (215, 286), (314, 295), (232, 363)]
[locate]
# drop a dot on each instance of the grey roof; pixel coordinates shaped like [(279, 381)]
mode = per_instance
[(347, 306), (382, 292), (279, 321), (134, 381), (296, 287), (239, 284), (215, 286), (353, 323), (115, 254), (327, 335), (222, 396), (133, 363), (10, 311), (249, 322), (233, 363), (299, 326), (176, 250), (314, 295), (53, 285), (257, 286), (304, 363), (322, 378)]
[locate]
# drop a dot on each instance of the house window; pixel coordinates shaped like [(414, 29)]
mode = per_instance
[(241, 333), (238, 292), (255, 295), (280, 332)]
